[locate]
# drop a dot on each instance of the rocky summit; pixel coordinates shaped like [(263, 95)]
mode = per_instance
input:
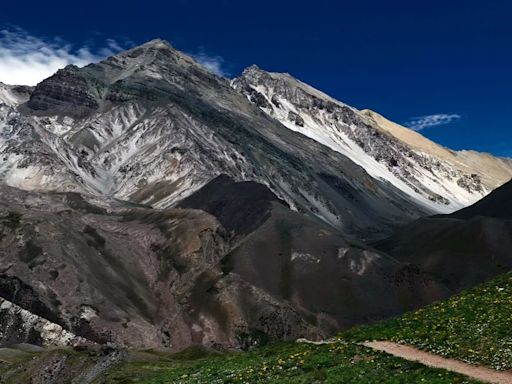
[(147, 202)]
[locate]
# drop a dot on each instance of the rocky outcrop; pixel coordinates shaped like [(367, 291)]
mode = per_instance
[(67, 92), (17, 325)]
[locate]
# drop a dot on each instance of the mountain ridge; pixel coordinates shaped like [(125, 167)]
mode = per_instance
[(385, 149), (127, 128), (149, 203), (497, 171)]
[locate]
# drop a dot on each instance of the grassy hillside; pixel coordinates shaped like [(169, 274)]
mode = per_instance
[(474, 326), (287, 363), (283, 363)]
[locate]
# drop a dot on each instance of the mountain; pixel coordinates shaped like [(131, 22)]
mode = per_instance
[(462, 249), (152, 126), (149, 203), (435, 177)]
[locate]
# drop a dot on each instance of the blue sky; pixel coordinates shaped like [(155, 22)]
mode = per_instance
[(443, 67)]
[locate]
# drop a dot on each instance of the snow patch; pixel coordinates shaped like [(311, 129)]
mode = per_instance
[(305, 257), (324, 128)]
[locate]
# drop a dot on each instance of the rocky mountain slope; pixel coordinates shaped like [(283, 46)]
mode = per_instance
[(435, 177), (150, 203), (492, 171), (463, 249), (248, 271), (152, 126)]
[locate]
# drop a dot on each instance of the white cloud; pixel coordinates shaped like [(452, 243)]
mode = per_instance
[(422, 122), (27, 59), (213, 63)]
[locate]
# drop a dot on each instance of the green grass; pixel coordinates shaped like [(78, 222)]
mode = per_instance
[(286, 363), (474, 326)]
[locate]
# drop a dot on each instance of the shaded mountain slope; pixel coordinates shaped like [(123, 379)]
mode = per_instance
[(336, 282), (497, 205), (462, 249), (134, 277), (240, 207), (149, 278)]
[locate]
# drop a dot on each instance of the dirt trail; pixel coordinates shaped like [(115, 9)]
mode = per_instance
[(410, 353)]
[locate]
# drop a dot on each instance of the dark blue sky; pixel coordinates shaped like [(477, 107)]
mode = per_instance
[(403, 59)]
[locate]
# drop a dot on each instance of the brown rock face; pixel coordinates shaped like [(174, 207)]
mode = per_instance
[(148, 278)]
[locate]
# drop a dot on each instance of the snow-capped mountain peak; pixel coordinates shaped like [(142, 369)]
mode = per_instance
[(151, 125), (435, 177)]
